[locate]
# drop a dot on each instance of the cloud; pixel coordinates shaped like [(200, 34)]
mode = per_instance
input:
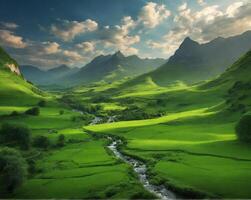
[(74, 56), (86, 46), (9, 39), (205, 24), (9, 25), (119, 36), (68, 30), (51, 47), (153, 14), (201, 2)]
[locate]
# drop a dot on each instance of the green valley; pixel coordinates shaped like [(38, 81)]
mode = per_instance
[(108, 100)]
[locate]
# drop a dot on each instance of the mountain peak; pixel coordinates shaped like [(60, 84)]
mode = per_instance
[(118, 54), (189, 42)]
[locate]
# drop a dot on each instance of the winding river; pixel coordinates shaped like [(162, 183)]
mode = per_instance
[(139, 167), (141, 170)]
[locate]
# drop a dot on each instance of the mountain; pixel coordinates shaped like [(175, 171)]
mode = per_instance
[(236, 81), (114, 67), (49, 77), (193, 62), (14, 89), (8, 63)]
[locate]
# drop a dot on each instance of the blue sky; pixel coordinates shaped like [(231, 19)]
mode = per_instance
[(47, 33)]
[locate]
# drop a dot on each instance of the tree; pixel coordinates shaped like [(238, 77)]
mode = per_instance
[(243, 129), (13, 134), (42, 103), (61, 112), (41, 142), (13, 169), (33, 111), (61, 140)]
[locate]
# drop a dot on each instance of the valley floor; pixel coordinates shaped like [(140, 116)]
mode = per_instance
[(192, 149)]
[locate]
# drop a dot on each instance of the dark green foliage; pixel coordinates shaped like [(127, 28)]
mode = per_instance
[(13, 169), (33, 111), (14, 113), (61, 112), (42, 103), (101, 98), (41, 142), (31, 166), (13, 134), (243, 129), (83, 107), (61, 140)]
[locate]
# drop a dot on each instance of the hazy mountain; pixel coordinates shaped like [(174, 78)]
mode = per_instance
[(194, 62), (49, 77), (114, 67)]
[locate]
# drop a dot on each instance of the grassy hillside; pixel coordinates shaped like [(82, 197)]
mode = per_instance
[(193, 148), (14, 89), (79, 169)]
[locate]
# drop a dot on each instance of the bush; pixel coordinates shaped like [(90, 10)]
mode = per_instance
[(13, 134), (41, 142), (14, 113), (61, 112), (243, 129), (33, 111), (42, 103), (61, 140), (13, 169)]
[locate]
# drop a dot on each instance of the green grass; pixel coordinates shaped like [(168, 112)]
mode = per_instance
[(80, 171), (194, 149)]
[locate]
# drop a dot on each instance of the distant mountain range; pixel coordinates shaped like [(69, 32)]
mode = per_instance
[(193, 62), (114, 67), (102, 68), (49, 77)]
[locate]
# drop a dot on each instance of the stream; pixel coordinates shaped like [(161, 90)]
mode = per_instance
[(141, 170), (139, 167)]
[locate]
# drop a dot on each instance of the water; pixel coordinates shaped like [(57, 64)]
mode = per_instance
[(140, 168)]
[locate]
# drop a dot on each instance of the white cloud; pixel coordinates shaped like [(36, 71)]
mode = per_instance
[(51, 47), (68, 30), (119, 36), (201, 2), (205, 24), (86, 46), (9, 25), (74, 56), (153, 14), (182, 6), (9, 39), (233, 9)]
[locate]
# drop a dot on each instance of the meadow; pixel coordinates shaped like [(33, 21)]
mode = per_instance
[(193, 149)]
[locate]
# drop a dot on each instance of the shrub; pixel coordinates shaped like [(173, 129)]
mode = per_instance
[(33, 111), (42, 103), (243, 129), (13, 134), (61, 140), (14, 113), (41, 142), (61, 112), (13, 169)]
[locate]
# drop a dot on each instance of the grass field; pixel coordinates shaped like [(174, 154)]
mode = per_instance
[(192, 148)]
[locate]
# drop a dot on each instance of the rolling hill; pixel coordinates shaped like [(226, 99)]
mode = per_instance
[(14, 89)]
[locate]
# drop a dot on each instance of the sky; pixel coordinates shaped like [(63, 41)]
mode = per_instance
[(49, 33)]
